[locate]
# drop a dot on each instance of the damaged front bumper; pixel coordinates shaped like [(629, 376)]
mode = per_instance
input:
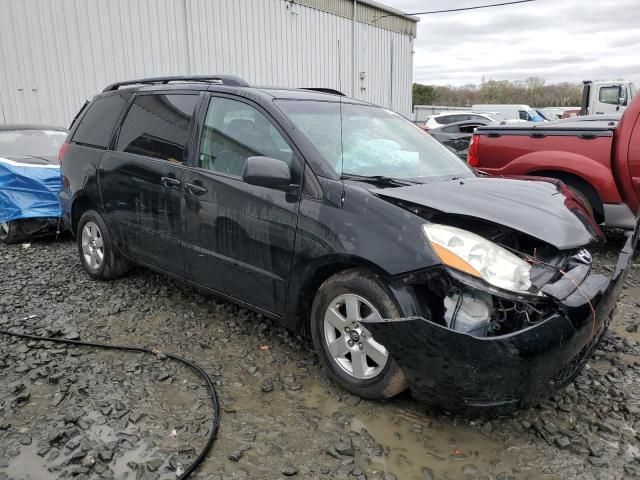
[(471, 375)]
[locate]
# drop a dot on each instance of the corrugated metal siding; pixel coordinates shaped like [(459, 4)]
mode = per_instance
[(382, 19), (57, 53), (365, 13), (344, 8)]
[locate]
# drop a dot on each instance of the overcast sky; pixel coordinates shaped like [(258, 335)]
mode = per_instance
[(559, 40)]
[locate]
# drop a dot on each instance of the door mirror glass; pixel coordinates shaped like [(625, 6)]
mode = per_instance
[(266, 172), (622, 100)]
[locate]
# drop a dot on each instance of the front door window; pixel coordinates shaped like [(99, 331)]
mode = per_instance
[(235, 131)]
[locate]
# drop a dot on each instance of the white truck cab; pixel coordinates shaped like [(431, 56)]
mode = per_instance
[(601, 98)]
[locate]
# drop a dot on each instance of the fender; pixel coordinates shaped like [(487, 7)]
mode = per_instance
[(594, 173)]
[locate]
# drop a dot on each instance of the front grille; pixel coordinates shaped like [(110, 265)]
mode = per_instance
[(570, 371)]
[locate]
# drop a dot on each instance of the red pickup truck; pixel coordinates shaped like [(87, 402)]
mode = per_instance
[(597, 157)]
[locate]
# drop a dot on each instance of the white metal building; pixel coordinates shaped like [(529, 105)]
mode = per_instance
[(55, 54)]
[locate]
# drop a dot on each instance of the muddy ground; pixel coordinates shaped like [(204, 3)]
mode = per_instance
[(74, 412)]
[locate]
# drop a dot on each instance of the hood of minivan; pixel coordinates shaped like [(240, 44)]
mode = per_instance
[(539, 209)]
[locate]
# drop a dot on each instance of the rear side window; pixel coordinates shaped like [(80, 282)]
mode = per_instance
[(157, 126), (97, 125)]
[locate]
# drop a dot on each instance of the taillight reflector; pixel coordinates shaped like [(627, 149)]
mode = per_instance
[(61, 152), (473, 158)]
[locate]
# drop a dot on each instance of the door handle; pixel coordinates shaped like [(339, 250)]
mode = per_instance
[(195, 189), (170, 182)]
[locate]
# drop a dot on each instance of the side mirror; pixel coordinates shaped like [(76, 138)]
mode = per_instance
[(266, 172), (622, 96)]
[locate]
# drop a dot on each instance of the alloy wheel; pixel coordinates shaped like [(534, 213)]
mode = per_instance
[(350, 344), (92, 245)]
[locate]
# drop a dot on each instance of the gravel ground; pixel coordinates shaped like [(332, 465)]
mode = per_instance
[(75, 412)]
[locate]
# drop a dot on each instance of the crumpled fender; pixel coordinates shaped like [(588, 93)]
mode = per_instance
[(487, 376), (28, 191)]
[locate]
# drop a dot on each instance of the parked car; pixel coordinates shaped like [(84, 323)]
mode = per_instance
[(345, 221), (29, 180), (551, 113), (512, 112), (596, 156), (457, 136), (446, 118)]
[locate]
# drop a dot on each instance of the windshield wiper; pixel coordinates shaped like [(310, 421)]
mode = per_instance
[(379, 180)]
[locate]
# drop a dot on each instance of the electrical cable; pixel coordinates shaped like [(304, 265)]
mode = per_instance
[(212, 391), (576, 283), (449, 10)]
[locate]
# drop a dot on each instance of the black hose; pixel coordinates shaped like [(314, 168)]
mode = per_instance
[(212, 391)]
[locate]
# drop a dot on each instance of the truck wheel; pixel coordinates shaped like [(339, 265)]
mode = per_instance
[(582, 197), (12, 232), (97, 250), (347, 351)]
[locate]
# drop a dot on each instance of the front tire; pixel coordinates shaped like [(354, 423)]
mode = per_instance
[(12, 232), (98, 254), (347, 351)]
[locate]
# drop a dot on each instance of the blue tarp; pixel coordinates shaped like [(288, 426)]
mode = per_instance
[(28, 191)]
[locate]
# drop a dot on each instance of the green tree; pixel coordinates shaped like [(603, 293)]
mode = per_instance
[(424, 94)]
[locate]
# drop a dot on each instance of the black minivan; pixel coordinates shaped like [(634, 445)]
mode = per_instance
[(347, 222)]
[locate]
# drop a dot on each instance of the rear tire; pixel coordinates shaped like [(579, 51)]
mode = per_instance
[(98, 254), (12, 232), (355, 360)]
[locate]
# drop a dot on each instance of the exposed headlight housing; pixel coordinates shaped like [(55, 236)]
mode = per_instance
[(477, 256)]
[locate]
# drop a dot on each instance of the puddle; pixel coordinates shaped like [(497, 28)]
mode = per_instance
[(415, 443), (28, 466)]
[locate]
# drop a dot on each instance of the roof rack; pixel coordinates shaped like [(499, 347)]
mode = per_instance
[(325, 90), (229, 80)]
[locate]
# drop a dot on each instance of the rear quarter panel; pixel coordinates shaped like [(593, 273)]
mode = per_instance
[(79, 178)]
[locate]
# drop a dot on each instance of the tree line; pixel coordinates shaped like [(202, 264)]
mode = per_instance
[(533, 91)]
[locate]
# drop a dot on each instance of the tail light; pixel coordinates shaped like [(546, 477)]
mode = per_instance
[(61, 152), (473, 158)]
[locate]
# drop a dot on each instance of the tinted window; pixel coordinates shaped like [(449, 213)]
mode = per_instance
[(470, 128), (157, 126), (98, 123), (450, 129), (524, 115), (234, 131), (448, 119)]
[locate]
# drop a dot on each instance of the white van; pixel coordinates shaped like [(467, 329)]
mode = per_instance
[(511, 112)]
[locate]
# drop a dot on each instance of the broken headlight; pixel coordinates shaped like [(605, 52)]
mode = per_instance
[(477, 256)]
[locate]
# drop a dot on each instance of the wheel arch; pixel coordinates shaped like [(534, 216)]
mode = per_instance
[(80, 205), (301, 299)]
